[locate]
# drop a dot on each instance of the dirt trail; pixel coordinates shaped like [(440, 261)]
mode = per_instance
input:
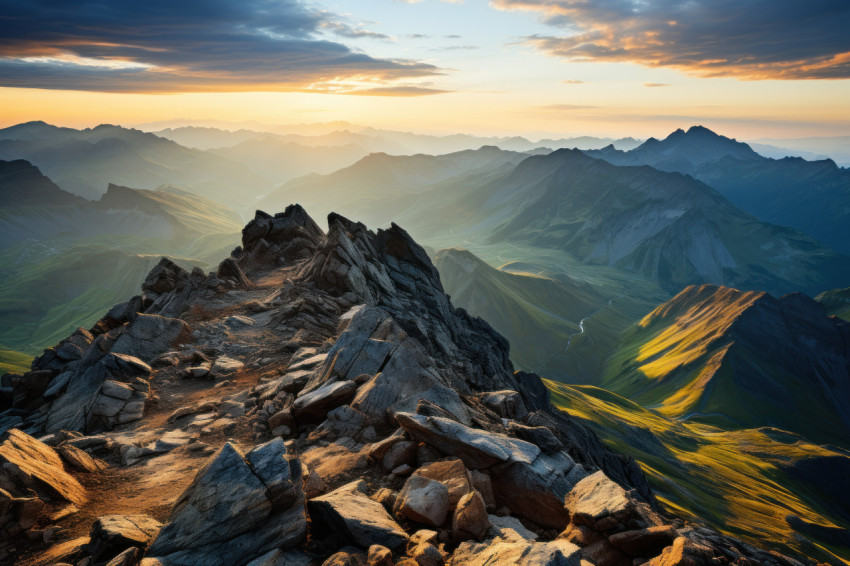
[(151, 486)]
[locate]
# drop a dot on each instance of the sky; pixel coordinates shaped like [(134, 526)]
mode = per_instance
[(747, 68)]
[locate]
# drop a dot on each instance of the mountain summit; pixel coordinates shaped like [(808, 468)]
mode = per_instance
[(317, 384), (682, 150)]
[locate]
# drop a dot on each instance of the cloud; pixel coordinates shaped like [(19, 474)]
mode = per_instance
[(404, 91), (748, 39), (164, 46), (572, 82), (345, 30), (655, 85)]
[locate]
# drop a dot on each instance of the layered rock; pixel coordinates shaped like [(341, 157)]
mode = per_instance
[(237, 509), (33, 479)]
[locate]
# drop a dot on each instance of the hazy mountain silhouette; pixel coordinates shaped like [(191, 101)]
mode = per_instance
[(812, 196), (666, 227), (84, 162)]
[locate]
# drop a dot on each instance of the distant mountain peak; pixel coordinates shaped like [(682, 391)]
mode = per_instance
[(23, 184), (683, 151)]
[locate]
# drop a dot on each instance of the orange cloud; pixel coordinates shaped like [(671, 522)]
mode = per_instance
[(755, 40)]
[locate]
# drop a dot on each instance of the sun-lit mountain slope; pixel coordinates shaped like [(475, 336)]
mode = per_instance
[(760, 484), (14, 362), (193, 213), (836, 302), (744, 359)]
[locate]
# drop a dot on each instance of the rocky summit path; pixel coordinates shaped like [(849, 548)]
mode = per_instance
[(317, 400)]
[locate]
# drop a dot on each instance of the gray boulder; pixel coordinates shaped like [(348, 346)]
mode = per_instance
[(150, 335), (316, 404), (237, 509), (111, 535), (359, 518), (423, 500), (477, 448), (536, 491)]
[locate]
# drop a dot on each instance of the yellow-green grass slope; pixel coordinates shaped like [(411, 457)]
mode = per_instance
[(746, 482), (738, 360), (13, 362), (836, 302)]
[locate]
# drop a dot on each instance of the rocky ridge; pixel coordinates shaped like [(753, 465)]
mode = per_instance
[(317, 400)]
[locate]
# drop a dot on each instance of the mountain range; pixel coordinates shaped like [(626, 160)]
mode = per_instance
[(85, 162), (664, 318), (811, 196), (372, 140), (65, 259), (380, 187), (666, 227)]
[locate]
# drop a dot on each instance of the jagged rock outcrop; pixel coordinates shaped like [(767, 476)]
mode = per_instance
[(358, 401), (109, 392), (237, 509), (284, 237)]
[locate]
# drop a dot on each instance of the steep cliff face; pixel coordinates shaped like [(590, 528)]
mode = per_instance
[(319, 398)]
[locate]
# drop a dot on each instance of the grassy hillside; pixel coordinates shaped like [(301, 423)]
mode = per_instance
[(749, 483), (537, 314), (562, 318), (836, 302), (46, 291), (14, 362), (192, 215), (741, 359), (576, 311), (43, 299)]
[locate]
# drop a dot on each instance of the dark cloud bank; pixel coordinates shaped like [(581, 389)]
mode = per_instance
[(185, 46)]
